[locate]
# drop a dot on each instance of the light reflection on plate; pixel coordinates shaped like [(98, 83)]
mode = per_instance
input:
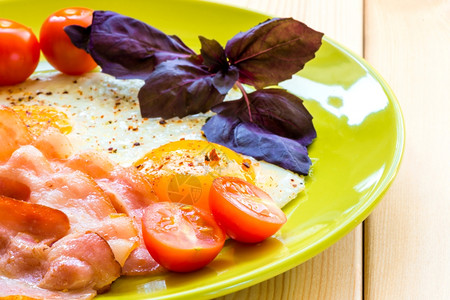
[(343, 102)]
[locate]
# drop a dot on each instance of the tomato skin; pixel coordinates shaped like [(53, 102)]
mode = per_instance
[(56, 45), (19, 52), (180, 237), (246, 212)]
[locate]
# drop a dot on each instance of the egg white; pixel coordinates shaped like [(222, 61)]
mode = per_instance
[(105, 116)]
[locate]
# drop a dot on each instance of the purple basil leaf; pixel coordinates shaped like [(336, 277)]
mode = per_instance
[(178, 88), (250, 139), (128, 48), (274, 110), (79, 35), (214, 58), (272, 51), (224, 80), (213, 55)]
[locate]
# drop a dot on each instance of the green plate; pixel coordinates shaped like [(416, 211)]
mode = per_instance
[(356, 155)]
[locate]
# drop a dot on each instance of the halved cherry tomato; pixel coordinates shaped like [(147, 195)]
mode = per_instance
[(56, 45), (181, 237), (247, 213), (19, 52)]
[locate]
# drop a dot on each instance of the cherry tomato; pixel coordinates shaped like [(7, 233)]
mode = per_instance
[(247, 213), (181, 237), (19, 52), (56, 45)]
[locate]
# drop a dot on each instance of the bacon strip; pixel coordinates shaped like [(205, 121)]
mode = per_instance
[(41, 222), (12, 289), (80, 261), (39, 250), (130, 193), (30, 259), (74, 193), (76, 221)]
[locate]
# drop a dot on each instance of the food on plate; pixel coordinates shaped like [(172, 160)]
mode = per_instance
[(180, 82), (126, 137), (19, 52), (129, 193), (56, 181), (56, 45), (181, 237), (145, 175), (74, 152), (43, 147), (49, 257), (246, 212)]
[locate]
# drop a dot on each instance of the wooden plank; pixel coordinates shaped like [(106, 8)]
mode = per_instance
[(408, 235), (337, 272), (338, 19)]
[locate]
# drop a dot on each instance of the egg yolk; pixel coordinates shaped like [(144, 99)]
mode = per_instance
[(38, 118), (183, 171)]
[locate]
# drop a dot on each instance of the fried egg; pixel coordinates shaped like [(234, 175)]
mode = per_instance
[(99, 112)]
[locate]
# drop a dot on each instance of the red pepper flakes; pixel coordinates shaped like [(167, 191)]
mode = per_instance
[(213, 155)]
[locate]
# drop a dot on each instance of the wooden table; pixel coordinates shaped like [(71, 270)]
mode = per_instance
[(402, 251)]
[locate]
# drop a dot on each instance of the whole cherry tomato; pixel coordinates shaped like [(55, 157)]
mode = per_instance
[(19, 52), (57, 46)]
